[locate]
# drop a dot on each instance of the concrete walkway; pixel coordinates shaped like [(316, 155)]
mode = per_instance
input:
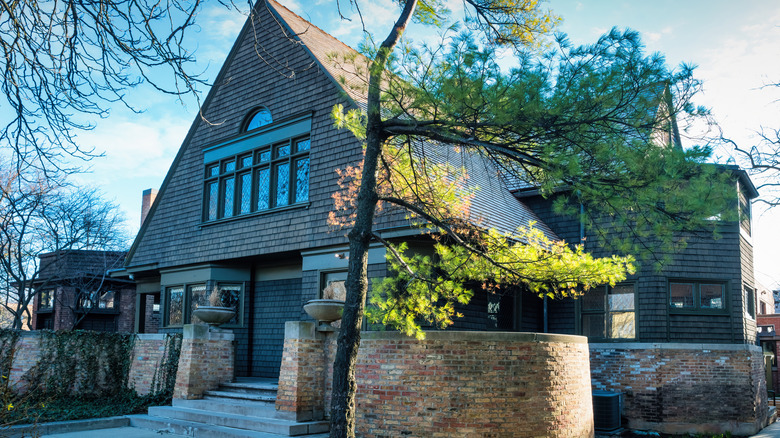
[(118, 432), (771, 431)]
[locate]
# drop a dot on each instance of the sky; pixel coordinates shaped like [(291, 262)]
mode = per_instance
[(736, 46)]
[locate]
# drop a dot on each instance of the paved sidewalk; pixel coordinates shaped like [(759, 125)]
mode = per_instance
[(117, 432), (771, 431)]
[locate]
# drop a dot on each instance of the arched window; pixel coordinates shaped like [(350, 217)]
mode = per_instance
[(260, 117)]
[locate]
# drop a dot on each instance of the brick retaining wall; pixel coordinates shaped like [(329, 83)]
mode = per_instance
[(207, 359), (476, 384), (685, 388), (149, 352)]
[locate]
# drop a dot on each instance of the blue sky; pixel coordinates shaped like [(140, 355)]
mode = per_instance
[(736, 46)]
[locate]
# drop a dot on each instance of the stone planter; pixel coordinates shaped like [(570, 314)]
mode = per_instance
[(214, 316), (324, 310)]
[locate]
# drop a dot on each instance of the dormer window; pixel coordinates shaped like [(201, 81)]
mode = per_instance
[(259, 118)]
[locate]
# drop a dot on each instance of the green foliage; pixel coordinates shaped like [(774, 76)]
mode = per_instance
[(164, 379), (81, 363), (8, 340), (427, 288), (82, 374), (593, 125), (31, 410)]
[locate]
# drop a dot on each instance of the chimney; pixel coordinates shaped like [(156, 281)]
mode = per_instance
[(146, 203)]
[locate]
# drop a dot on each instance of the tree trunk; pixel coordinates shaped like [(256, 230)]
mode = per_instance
[(342, 420)]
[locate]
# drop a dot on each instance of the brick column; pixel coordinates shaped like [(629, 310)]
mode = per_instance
[(206, 360), (302, 373)]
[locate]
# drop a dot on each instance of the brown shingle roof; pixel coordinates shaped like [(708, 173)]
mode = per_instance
[(492, 205)]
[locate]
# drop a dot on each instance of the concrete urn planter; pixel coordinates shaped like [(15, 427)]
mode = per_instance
[(324, 310), (214, 316)]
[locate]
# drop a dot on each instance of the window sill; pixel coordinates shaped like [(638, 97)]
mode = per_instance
[(99, 311), (301, 205), (693, 312)]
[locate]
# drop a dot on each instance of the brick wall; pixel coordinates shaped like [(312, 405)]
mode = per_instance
[(149, 356), (206, 360), (474, 384), (152, 321), (477, 384), (685, 388), (27, 354), (301, 385), (125, 322)]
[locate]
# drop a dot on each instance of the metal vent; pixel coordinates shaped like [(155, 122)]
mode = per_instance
[(607, 409)]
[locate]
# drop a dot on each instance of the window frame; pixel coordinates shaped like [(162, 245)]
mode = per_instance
[(234, 174), (187, 302), (52, 292), (251, 116), (744, 211), (605, 312), (697, 309), (95, 307), (749, 295)]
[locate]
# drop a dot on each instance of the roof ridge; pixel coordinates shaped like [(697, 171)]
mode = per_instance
[(279, 5)]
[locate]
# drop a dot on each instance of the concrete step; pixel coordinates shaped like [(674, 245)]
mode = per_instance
[(199, 430), (232, 395), (251, 385), (230, 406), (269, 425)]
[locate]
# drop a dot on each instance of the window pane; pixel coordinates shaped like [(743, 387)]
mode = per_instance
[(282, 184), (231, 297), (246, 161), (303, 145), (622, 325), (246, 193), (302, 180), (175, 305), (47, 299), (263, 156), (263, 190), (681, 295), (213, 200), (212, 171), (230, 189), (107, 300), (198, 297), (261, 118), (230, 166), (750, 301), (594, 299), (621, 297), (593, 325), (712, 296), (282, 150)]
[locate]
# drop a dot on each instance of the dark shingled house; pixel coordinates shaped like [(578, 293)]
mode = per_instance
[(75, 291), (244, 209)]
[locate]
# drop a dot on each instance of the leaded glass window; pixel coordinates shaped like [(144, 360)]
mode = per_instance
[(175, 298), (265, 178), (302, 180), (282, 191)]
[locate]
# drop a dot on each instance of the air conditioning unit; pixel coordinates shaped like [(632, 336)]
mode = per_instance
[(607, 409)]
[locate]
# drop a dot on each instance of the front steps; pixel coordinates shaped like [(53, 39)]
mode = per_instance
[(240, 409)]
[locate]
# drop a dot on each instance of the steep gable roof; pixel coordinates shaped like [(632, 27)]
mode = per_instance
[(341, 65)]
